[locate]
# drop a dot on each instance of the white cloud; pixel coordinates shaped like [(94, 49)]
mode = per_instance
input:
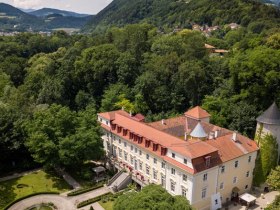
[(26, 4)]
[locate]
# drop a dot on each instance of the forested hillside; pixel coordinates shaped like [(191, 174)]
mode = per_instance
[(52, 87), (183, 13)]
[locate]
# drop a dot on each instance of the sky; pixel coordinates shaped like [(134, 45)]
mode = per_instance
[(80, 6)]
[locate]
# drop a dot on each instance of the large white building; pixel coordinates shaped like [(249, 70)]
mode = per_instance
[(187, 155)]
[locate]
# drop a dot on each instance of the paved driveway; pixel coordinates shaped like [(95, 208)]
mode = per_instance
[(61, 201)]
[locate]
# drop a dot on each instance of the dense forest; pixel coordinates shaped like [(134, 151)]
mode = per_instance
[(51, 87), (184, 13)]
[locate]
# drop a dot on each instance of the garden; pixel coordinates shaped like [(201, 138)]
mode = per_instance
[(36, 182)]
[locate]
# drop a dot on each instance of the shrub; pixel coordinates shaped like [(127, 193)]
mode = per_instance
[(84, 190), (92, 200)]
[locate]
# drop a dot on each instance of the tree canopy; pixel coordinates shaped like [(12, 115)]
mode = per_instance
[(58, 136), (151, 197)]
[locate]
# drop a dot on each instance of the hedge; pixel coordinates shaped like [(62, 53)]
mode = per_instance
[(28, 196), (92, 200), (84, 190)]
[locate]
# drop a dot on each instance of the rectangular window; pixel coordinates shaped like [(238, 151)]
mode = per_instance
[(248, 174), (249, 159), (203, 193), (162, 180), (163, 165), (135, 150), (131, 159), (120, 141), (184, 192), (236, 164), (207, 161), (140, 152), (185, 161), (147, 156), (125, 156), (131, 148), (205, 177), (124, 144), (173, 155), (172, 186), (173, 171), (120, 152), (155, 174), (234, 180), (147, 169), (223, 169), (185, 177), (155, 161), (221, 186), (141, 166), (246, 187), (107, 123)]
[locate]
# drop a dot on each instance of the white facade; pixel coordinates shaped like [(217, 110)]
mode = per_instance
[(207, 189)]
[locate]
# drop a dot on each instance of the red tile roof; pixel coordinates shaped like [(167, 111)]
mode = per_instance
[(197, 113), (176, 144), (169, 135), (229, 149)]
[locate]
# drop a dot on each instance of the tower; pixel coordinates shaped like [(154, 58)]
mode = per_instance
[(269, 123)]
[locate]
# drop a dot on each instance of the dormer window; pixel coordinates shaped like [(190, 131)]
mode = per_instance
[(113, 126), (124, 132), (155, 147), (163, 151), (147, 143), (131, 135), (173, 155), (140, 140), (207, 161)]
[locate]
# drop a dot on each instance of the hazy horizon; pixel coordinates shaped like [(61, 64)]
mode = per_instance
[(81, 6)]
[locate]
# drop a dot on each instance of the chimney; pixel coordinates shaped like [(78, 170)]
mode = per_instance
[(211, 135), (234, 136), (163, 122), (130, 113), (216, 135), (186, 136)]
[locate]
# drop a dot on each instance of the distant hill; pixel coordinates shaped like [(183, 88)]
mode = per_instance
[(48, 11), (170, 13), (13, 19), (275, 2), (27, 10)]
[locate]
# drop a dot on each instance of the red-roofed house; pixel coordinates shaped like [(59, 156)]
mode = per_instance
[(187, 155)]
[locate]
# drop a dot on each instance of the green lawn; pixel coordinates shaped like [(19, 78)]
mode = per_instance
[(108, 205), (32, 183)]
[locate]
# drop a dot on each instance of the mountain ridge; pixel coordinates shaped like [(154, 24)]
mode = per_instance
[(47, 11), (14, 19)]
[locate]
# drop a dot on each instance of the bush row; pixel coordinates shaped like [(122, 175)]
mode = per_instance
[(92, 200), (28, 196), (84, 190)]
